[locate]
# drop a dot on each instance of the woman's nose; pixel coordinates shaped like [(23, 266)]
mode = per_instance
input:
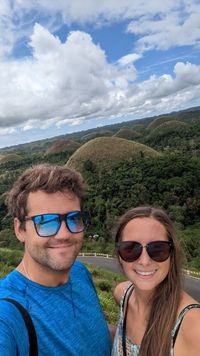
[(144, 258)]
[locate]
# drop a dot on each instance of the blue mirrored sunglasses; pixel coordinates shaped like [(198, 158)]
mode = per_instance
[(47, 225)]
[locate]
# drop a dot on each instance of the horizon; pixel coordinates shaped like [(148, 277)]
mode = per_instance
[(67, 68), (54, 138)]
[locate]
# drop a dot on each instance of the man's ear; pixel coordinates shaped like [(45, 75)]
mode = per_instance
[(19, 232)]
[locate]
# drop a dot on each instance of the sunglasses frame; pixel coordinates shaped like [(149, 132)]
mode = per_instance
[(60, 218), (124, 243)]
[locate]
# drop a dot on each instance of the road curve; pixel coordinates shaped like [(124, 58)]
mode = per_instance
[(191, 284)]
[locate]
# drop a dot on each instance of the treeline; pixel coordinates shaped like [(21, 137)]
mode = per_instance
[(171, 181)]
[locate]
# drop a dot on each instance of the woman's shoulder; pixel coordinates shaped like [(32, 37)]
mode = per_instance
[(191, 329), (186, 301), (190, 324), (120, 290)]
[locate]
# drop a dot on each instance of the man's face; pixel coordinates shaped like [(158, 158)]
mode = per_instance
[(56, 253)]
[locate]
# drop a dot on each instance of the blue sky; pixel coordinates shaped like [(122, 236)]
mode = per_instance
[(69, 65)]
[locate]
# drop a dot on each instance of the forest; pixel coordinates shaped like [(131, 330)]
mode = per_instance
[(152, 161)]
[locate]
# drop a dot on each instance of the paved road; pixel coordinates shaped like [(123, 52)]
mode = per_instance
[(192, 285)]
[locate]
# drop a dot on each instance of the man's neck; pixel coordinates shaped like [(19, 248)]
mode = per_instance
[(43, 276)]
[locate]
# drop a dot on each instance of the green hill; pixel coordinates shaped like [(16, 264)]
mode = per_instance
[(96, 134), (9, 157), (106, 152), (127, 133), (159, 121), (168, 127), (63, 146)]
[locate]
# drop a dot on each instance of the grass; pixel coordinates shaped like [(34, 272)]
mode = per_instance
[(9, 157), (105, 283)]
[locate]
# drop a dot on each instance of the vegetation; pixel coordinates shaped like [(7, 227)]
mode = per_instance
[(127, 133), (63, 146), (159, 166), (105, 283), (104, 153), (9, 158)]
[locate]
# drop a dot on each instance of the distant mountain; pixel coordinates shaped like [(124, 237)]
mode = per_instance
[(190, 116)]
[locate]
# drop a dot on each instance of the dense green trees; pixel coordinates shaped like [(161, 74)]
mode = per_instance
[(171, 181)]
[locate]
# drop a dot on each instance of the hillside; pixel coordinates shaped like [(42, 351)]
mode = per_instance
[(127, 133), (190, 137), (63, 146), (9, 158), (159, 167), (107, 152)]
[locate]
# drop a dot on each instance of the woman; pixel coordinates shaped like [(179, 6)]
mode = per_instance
[(157, 318)]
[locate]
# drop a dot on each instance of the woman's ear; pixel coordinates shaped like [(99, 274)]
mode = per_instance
[(19, 232), (120, 260)]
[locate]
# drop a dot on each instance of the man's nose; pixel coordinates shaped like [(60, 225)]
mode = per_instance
[(63, 232)]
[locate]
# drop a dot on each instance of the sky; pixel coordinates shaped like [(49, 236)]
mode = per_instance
[(67, 66)]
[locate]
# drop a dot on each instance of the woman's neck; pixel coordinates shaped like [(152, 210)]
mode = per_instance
[(142, 301)]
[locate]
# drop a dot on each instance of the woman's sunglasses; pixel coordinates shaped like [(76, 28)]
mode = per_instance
[(130, 251), (47, 225)]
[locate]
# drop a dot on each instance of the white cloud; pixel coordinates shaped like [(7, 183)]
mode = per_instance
[(165, 92), (71, 81), (157, 24), (178, 27), (62, 80), (7, 131), (129, 58)]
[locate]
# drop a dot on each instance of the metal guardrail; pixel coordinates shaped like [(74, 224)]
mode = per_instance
[(95, 254), (105, 255), (187, 271)]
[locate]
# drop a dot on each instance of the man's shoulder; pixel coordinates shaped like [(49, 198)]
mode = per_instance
[(13, 286), (79, 265), (80, 272), (6, 281)]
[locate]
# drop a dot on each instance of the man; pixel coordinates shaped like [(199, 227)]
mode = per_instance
[(46, 203)]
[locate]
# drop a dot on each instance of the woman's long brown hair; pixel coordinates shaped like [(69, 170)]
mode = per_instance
[(166, 298)]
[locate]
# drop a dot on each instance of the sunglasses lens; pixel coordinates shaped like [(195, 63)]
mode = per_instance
[(129, 251), (47, 225), (159, 251), (76, 221)]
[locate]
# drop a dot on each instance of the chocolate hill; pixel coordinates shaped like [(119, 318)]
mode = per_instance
[(63, 146), (106, 152)]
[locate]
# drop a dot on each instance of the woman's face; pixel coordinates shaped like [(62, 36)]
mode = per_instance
[(145, 273)]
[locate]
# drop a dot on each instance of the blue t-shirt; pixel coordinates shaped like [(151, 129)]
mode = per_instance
[(68, 319)]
